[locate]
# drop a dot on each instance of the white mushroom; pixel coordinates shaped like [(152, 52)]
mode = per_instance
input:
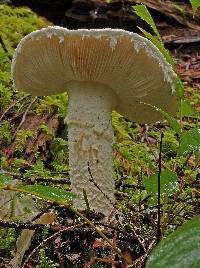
[(102, 70)]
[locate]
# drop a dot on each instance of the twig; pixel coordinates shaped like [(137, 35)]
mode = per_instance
[(13, 174), (96, 185), (139, 263), (140, 180), (5, 48), (49, 180), (177, 211), (12, 105), (70, 228), (60, 172), (36, 179), (78, 213), (86, 200), (158, 235), (21, 225), (24, 117), (94, 260), (43, 212)]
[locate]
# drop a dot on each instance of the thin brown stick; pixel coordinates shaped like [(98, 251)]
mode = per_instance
[(45, 210), (96, 185), (49, 180), (13, 174), (60, 172), (105, 260), (139, 263), (33, 180), (12, 105), (91, 224), (70, 228), (24, 117), (21, 225)]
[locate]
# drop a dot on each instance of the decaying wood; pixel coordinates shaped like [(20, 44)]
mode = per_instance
[(33, 122), (11, 106), (115, 14), (170, 9), (24, 117)]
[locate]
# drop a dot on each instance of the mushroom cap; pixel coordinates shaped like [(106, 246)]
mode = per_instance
[(47, 60)]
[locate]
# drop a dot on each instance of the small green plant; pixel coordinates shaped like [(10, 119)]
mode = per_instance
[(53, 103), (169, 183), (38, 169), (44, 262), (59, 153), (21, 138), (7, 239), (195, 5), (5, 132), (44, 128), (6, 94), (180, 9)]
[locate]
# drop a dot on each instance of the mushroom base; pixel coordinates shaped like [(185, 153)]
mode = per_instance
[(90, 137)]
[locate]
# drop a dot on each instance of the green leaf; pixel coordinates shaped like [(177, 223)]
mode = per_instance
[(187, 110), (195, 5), (190, 142), (180, 249), (160, 46), (168, 183), (170, 119), (179, 87), (143, 13), (47, 192), (4, 180)]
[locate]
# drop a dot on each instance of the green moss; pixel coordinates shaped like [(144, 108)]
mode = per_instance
[(44, 262), (55, 103), (38, 169), (59, 154), (44, 128), (16, 23), (7, 240), (6, 94), (170, 142), (21, 139), (5, 132)]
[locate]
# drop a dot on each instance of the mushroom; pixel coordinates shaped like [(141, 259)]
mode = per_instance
[(102, 70)]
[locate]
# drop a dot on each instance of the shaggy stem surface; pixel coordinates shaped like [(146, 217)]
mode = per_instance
[(91, 138)]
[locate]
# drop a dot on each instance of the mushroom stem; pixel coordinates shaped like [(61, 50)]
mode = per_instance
[(91, 138)]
